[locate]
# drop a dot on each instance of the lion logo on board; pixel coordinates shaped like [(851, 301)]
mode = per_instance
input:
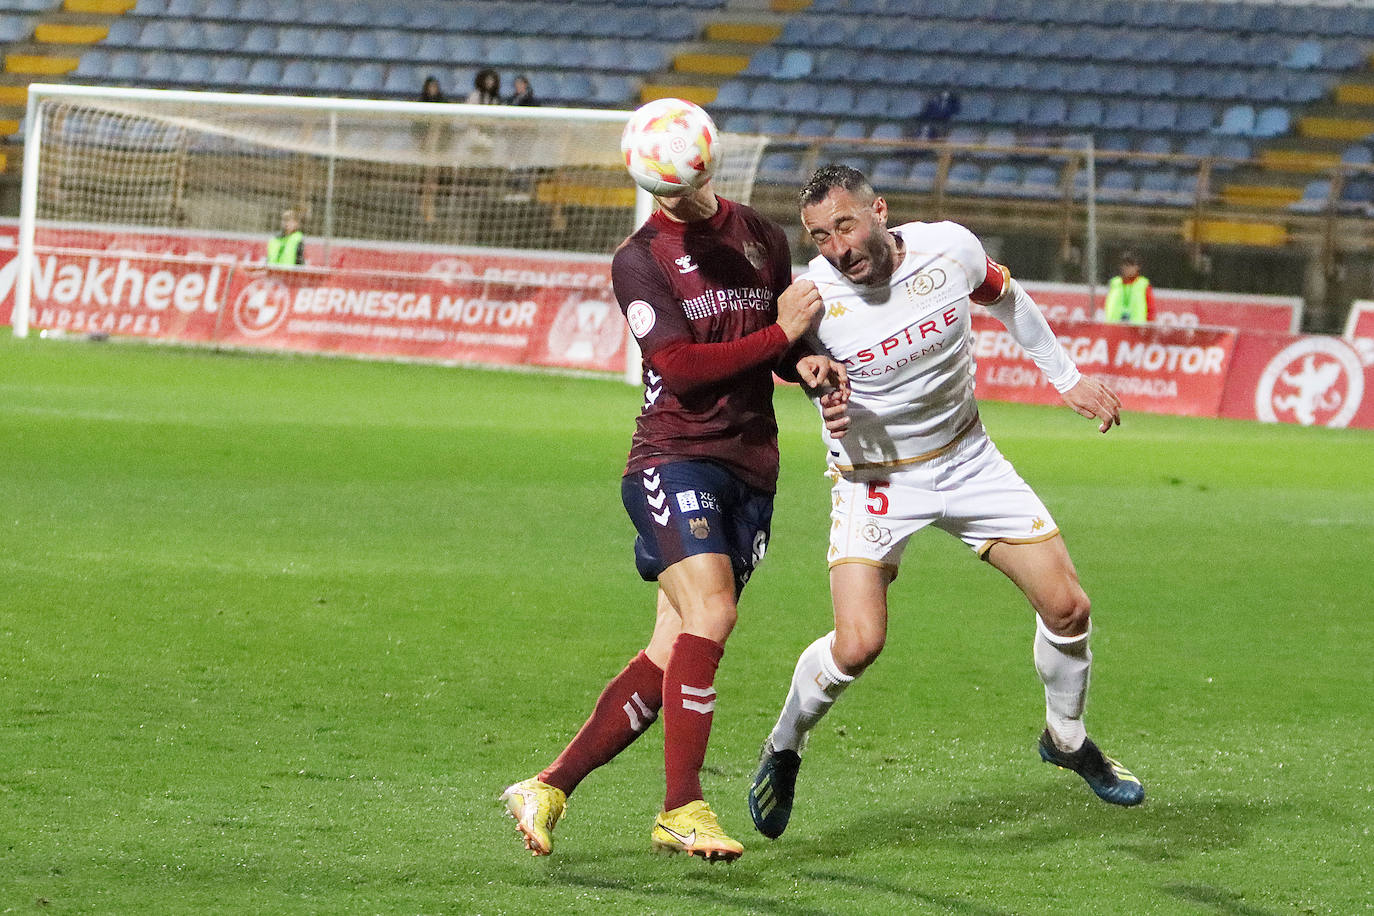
[(1316, 381)]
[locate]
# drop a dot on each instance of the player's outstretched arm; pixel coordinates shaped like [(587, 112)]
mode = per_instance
[(1093, 399)]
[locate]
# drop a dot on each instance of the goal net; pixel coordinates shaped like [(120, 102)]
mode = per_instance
[(457, 232)]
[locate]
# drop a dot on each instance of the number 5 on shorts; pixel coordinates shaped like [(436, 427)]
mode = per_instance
[(877, 499)]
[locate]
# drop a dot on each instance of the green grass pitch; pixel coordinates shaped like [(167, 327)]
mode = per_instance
[(275, 632)]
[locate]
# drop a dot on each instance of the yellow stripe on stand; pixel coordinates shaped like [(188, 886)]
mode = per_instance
[(40, 65), (62, 34), (702, 95)]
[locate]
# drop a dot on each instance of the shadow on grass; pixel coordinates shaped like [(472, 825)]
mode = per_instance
[(1216, 899), (738, 889)]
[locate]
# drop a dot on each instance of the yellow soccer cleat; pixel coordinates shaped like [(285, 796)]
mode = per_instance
[(536, 807), (693, 829)]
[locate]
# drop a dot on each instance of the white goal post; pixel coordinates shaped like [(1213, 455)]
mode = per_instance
[(433, 231)]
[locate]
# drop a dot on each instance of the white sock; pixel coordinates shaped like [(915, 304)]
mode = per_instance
[(1064, 664), (817, 683)]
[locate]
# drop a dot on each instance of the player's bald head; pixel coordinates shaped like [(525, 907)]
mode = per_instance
[(829, 177)]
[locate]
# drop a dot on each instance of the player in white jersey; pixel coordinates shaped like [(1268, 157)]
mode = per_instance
[(908, 451)]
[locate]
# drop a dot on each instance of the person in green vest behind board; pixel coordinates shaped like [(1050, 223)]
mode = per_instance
[(288, 248), (1129, 297)]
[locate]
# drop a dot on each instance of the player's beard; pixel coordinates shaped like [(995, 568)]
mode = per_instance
[(876, 261)]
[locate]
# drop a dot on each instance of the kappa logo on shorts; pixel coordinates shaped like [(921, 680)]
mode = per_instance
[(701, 529)]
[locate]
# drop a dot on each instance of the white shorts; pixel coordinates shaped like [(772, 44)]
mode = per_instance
[(969, 490)]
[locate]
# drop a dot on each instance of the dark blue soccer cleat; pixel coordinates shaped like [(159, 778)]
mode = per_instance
[(1112, 782), (775, 785)]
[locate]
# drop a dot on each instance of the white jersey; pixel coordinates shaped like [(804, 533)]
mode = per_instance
[(907, 346)]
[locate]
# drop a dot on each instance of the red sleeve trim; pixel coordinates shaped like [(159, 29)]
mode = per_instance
[(688, 366), (994, 285)]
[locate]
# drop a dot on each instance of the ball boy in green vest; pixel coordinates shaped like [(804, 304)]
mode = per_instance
[(288, 248), (1129, 297)]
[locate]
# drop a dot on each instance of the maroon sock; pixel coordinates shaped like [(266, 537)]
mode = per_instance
[(689, 698), (627, 707)]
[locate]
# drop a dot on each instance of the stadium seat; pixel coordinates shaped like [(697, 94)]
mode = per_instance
[(1002, 181), (298, 75), (836, 100), (815, 127), (1116, 185), (15, 28), (1237, 121), (1271, 122), (1039, 182), (1316, 196), (964, 178), (366, 79), (795, 64)]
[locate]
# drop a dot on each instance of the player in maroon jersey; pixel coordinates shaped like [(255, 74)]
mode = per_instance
[(705, 285)]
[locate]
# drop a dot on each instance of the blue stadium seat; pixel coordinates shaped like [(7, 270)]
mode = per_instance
[(1039, 182), (1116, 185), (733, 94), (1001, 180), (766, 96), (849, 130), (1158, 117), (835, 100), (196, 71), (298, 75), (777, 124), (1049, 111), (229, 71), (801, 98), (1085, 113), (15, 28), (964, 178), (1316, 197), (1272, 122), (1304, 55), (763, 62), (94, 64), (795, 64), (888, 130), (780, 167), (1196, 117), (265, 72), (740, 124), (814, 127), (366, 79)]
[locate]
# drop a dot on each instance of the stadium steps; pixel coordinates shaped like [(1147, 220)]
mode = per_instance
[(48, 55), (728, 41), (1257, 234)]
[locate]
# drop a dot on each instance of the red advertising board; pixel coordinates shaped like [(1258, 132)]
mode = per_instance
[(1308, 379), (1177, 308), (1359, 330), (1154, 369), (421, 302)]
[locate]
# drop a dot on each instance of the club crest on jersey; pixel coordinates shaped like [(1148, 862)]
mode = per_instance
[(754, 254), (701, 529), (684, 264), (925, 283)]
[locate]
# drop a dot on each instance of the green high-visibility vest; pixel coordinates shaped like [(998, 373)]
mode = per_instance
[(1126, 302), (286, 249)]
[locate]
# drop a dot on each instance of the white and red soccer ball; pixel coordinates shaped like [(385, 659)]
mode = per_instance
[(669, 147)]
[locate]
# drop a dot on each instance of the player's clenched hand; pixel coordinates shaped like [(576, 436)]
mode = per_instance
[(835, 412), (1094, 400), (799, 309), (822, 372)]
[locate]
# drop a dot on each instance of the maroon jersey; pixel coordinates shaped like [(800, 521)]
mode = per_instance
[(701, 298)]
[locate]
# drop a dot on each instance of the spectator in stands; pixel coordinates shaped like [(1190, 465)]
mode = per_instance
[(523, 94), (434, 137), (937, 112), (486, 88), (431, 91), (288, 248), (1129, 296)]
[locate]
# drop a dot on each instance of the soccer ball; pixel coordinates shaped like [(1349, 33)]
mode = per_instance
[(669, 147)]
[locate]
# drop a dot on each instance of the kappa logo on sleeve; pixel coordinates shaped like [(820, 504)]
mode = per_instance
[(641, 316)]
